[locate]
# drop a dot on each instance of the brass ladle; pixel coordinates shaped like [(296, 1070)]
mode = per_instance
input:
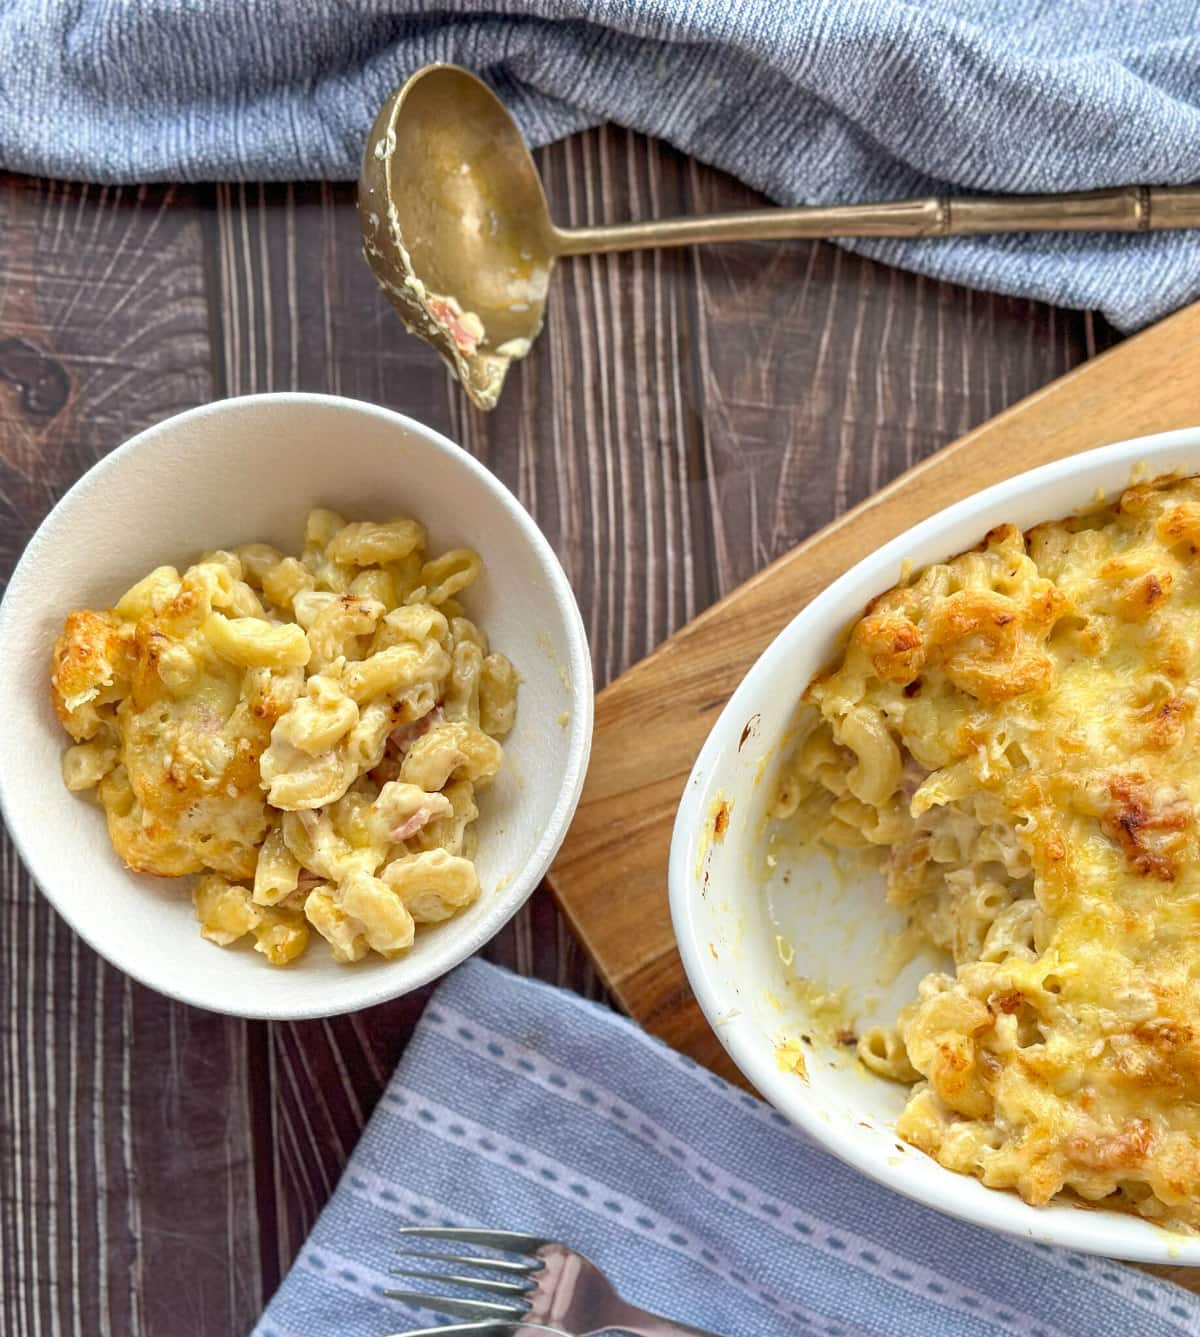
[(456, 228)]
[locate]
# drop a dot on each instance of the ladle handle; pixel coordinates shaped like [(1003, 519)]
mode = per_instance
[(1121, 209)]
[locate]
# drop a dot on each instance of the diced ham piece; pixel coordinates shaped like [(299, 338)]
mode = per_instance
[(438, 806), (464, 327), (405, 735), (412, 825)]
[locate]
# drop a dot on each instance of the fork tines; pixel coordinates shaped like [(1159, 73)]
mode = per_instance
[(509, 1241), (509, 1287)]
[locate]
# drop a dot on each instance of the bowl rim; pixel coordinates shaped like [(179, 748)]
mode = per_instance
[(1088, 1229), (375, 987)]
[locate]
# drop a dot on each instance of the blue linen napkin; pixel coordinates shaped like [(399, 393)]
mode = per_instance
[(813, 101), (520, 1107)]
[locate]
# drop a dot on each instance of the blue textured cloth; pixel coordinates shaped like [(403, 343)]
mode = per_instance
[(520, 1107), (811, 101)]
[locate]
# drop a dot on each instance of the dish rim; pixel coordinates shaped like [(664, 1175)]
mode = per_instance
[(1090, 1229)]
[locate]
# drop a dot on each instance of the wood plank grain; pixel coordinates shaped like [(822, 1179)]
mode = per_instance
[(822, 376), (642, 754), (664, 440), (110, 1096)]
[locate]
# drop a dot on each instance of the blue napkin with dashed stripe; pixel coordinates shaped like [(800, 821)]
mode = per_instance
[(813, 102), (518, 1106)]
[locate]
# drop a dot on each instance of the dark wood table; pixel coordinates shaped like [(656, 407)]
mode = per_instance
[(685, 418)]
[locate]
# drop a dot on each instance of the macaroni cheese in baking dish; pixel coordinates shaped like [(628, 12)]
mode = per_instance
[(307, 734), (1014, 733)]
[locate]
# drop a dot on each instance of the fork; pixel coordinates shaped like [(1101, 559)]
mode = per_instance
[(557, 1291)]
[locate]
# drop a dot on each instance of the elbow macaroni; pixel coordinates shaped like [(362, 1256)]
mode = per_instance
[(1016, 728), (307, 734)]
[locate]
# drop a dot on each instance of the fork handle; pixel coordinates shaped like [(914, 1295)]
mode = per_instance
[(654, 1326), (642, 1323)]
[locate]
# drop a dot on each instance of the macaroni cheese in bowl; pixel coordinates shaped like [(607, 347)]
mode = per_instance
[(202, 493), (307, 734), (944, 920)]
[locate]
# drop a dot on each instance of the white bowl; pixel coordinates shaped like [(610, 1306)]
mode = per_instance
[(249, 469), (727, 907)]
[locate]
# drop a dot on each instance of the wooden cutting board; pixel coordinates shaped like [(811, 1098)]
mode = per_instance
[(611, 876)]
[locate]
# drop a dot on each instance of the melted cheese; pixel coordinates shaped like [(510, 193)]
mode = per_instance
[(1036, 699), (273, 722)]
